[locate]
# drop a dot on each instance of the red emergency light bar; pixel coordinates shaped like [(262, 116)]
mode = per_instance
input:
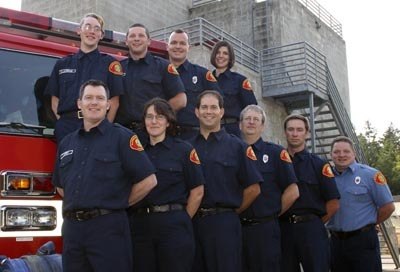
[(49, 27)]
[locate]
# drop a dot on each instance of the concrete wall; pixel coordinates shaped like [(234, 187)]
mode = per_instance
[(118, 14)]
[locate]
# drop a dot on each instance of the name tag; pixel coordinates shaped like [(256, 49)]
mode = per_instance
[(66, 71)]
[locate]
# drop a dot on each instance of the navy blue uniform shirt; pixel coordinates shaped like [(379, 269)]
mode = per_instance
[(196, 79), (178, 172), (71, 72), (97, 169), (276, 168), (237, 93), (145, 79), (229, 166), (317, 184)]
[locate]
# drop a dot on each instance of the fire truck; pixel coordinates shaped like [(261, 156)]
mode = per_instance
[(30, 44)]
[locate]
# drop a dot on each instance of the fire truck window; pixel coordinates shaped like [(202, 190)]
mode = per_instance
[(23, 79)]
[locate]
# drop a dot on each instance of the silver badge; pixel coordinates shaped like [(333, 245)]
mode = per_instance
[(357, 180), (194, 79), (265, 158)]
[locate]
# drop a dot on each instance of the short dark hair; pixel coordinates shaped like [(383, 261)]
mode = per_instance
[(94, 83), (343, 139), (161, 106), (231, 52), (178, 31), (210, 92), (139, 25), (297, 117)]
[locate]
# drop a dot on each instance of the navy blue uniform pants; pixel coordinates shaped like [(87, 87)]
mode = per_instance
[(262, 247), (359, 253), (218, 243), (99, 244), (66, 125), (162, 242), (306, 243)]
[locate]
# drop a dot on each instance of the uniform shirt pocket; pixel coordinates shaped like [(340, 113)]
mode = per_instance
[(106, 166), (358, 193)]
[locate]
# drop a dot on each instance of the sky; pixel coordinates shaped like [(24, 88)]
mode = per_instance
[(371, 32)]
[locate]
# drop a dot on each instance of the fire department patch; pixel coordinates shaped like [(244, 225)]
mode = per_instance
[(115, 68), (327, 171), (135, 144), (193, 157), (172, 70), (246, 85), (285, 156), (379, 178), (210, 77), (250, 154)]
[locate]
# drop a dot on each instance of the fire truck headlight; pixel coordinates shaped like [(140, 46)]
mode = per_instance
[(28, 218), (42, 217), (18, 217)]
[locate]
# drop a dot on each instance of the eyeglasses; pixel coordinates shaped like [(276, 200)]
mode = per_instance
[(252, 119), (159, 117), (89, 27)]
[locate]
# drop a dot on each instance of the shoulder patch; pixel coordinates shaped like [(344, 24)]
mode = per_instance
[(135, 144), (250, 154), (194, 157), (285, 156), (327, 171), (115, 68), (246, 85), (379, 178), (172, 70), (210, 77)]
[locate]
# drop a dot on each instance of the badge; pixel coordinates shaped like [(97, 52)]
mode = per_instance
[(194, 157), (66, 153), (379, 178), (250, 154), (327, 171), (194, 79), (285, 156), (135, 144), (115, 68), (172, 70), (210, 77), (246, 85), (357, 180), (265, 158)]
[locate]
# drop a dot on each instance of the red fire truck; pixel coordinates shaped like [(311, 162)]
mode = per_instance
[(30, 209)]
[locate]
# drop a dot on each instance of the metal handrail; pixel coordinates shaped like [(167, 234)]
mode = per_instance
[(323, 15), (196, 3), (297, 63), (202, 32)]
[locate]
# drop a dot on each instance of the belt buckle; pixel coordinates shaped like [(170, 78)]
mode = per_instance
[(79, 215), (293, 219), (80, 115), (148, 210)]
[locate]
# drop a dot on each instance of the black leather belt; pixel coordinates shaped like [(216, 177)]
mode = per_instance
[(201, 212), (157, 209), (86, 214), (343, 235), (229, 120), (294, 219), (256, 221), (73, 114)]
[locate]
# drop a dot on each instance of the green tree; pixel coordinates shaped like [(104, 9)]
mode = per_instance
[(383, 153)]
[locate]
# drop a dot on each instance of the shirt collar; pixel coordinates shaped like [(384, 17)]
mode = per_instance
[(146, 59), (227, 73), (102, 127), (185, 65), (91, 55), (217, 135), (168, 143), (352, 168), (258, 144)]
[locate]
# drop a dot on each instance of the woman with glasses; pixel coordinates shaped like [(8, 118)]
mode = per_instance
[(161, 223)]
